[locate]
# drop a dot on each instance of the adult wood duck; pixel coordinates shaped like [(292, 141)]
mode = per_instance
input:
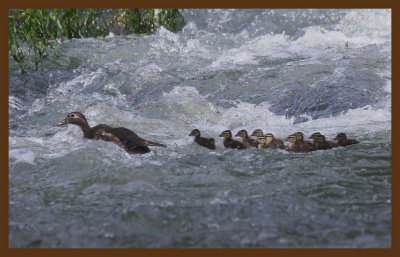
[(206, 142), (342, 140), (123, 137), (247, 141), (229, 142)]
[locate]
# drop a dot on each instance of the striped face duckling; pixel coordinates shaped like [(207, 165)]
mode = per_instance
[(229, 142), (247, 141), (320, 143), (342, 140), (330, 144), (123, 137), (292, 145), (273, 142), (262, 142), (206, 142), (257, 133), (304, 146)]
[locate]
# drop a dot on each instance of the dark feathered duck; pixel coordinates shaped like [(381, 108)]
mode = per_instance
[(206, 142), (342, 140), (247, 141), (121, 136), (229, 142)]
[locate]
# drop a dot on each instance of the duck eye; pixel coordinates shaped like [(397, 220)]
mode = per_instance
[(72, 115)]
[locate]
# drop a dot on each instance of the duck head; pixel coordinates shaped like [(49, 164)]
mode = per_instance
[(76, 118)]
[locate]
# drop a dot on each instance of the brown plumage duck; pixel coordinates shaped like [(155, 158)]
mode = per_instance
[(206, 142), (123, 137)]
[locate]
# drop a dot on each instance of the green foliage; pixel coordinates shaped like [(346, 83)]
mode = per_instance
[(171, 19), (33, 31)]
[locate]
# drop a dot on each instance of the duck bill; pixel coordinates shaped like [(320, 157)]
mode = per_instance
[(237, 134), (221, 135), (64, 122)]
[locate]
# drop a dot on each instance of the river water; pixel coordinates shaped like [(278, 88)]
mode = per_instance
[(279, 70)]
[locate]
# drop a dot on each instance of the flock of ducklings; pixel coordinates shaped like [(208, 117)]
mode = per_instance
[(296, 142)]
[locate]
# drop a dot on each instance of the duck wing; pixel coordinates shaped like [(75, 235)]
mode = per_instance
[(133, 139), (119, 137)]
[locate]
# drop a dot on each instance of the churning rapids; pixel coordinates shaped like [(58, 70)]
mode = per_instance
[(279, 70)]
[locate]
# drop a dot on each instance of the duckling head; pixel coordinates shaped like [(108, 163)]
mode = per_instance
[(269, 137), (242, 133), (262, 140), (292, 139), (319, 139), (226, 134), (314, 135), (341, 136), (195, 133), (299, 135), (257, 133)]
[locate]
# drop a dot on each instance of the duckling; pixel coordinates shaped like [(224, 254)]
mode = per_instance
[(329, 143), (273, 142), (257, 133), (247, 141), (292, 145), (320, 143), (229, 142), (262, 142), (343, 141), (304, 146), (123, 137), (206, 142)]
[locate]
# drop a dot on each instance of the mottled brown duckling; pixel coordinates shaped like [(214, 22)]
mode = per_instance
[(329, 143), (293, 146), (304, 146), (273, 142), (123, 137), (343, 141), (206, 142), (247, 141), (229, 142), (257, 133), (320, 143), (262, 142)]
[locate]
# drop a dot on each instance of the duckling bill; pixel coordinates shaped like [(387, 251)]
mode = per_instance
[(206, 142), (121, 136)]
